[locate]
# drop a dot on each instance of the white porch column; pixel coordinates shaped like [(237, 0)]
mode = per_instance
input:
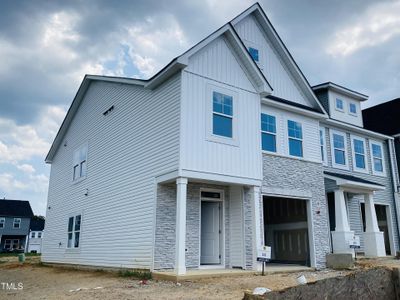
[(373, 238), (342, 233), (256, 216), (181, 189)]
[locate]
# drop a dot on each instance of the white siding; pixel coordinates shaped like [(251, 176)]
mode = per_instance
[(198, 152), (344, 115), (218, 62), (311, 142), (236, 226), (274, 69), (137, 141)]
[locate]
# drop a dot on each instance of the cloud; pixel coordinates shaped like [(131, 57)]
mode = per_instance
[(26, 168), (376, 26), (8, 183)]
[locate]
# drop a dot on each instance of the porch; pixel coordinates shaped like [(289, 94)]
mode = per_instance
[(205, 227), (352, 212)]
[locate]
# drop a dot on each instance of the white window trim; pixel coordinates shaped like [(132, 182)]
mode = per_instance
[(210, 136), (288, 137), (33, 234), (355, 168), (16, 223), (3, 221), (74, 249), (79, 179), (334, 164), (351, 113), (325, 160), (343, 102), (272, 133), (383, 173)]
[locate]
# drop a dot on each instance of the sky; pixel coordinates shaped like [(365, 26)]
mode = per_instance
[(46, 48)]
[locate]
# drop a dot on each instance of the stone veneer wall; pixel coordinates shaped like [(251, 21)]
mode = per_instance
[(164, 252), (304, 178)]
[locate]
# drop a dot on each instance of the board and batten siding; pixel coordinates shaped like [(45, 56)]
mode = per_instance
[(127, 149), (273, 67), (310, 128), (215, 67), (380, 197)]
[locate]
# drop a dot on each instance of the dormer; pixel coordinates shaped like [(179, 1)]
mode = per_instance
[(341, 103)]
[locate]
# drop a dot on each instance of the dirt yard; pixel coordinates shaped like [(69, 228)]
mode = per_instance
[(44, 282)]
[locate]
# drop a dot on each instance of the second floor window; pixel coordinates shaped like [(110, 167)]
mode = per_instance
[(33, 234), (2, 222), (339, 149), (268, 133), (74, 230), (295, 134), (359, 154), (39, 235), (377, 157), (222, 115), (80, 162), (17, 223)]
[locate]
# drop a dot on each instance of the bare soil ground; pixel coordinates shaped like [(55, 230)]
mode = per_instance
[(44, 282)]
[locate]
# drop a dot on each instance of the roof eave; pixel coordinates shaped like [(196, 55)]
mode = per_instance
[(340, 89)]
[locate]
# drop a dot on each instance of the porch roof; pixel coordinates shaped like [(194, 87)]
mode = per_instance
[(353, 182)]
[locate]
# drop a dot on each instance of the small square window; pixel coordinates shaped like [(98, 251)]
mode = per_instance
[(39, 235), (339, 104), (254, 54), (2, 222), (353, 108), (17, 223), (33, 234)]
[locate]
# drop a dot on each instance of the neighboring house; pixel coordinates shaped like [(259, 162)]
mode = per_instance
[(360, 177), (214, 156), (36, 234), (384, 118), (15, 216)]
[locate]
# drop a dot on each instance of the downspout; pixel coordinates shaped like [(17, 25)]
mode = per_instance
[(395, 181)]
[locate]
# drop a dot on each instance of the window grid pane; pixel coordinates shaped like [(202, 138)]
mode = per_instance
[(254, 53), (339, 104), (268, 123), (294, 130), (340, 157), (222, 104), (295, 147), (222, 125), (353, 108), (268, 142)]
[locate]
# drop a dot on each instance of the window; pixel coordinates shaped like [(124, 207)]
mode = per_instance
[(80, 158), (222, 115), (377, 158), (295, 138), (74, 229), (2, 222), (39, 235), (339, 152), (268, 133), (254, 54), (359, 161), (33, 235), (322, 144), (17, 223), (339, 104), (353, 109)]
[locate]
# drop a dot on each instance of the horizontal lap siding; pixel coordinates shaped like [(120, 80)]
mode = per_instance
[(137, 141), (381, 197)]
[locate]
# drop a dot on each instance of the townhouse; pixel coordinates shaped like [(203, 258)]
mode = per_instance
[(226, 149)]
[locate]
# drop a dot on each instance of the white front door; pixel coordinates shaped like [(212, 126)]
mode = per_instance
[(210, 233)]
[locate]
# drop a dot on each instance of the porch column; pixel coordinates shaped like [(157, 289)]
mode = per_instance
[(256, 216), (181, 188), (342, 234), (373, 238)]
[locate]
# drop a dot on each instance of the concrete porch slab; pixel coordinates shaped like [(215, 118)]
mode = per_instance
[(213, 273)]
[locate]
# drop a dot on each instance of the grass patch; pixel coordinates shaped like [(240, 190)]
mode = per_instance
[(138, 274)]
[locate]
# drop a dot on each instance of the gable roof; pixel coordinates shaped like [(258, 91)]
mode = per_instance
[(340, 89), (15, 208), (259, 14), (383, 117), (37, 224), (251, 68)]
